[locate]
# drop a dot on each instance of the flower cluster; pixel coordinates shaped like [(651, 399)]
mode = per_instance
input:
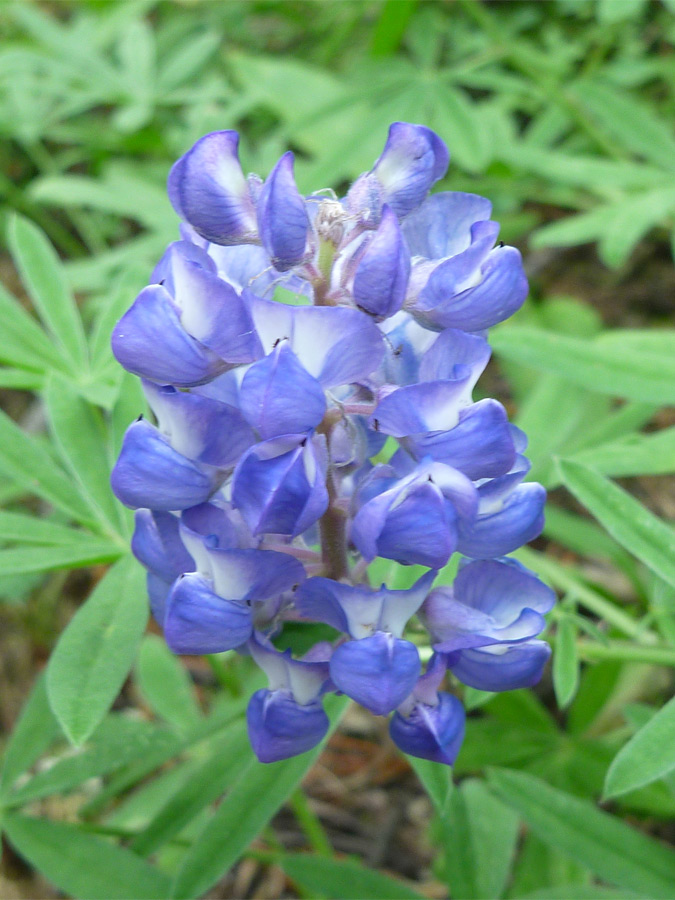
[(302, 433)]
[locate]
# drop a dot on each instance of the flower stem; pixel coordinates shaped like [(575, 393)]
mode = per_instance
[(624, 651), (310, 824)]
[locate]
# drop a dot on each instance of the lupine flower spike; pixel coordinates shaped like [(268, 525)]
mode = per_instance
[(258, 494)]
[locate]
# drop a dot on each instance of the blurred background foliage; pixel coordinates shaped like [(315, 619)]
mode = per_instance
[(561, 113)]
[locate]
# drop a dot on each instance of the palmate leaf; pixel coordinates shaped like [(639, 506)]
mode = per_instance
[(95, 652), (25, 345), (118, 741), (479, 832)]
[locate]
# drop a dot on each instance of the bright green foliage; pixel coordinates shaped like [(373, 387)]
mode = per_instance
[(562, 113)]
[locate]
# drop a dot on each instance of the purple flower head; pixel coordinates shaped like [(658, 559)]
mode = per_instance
[(310, 363), (208, 189)]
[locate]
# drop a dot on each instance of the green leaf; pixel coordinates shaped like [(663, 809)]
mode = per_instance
[(391, 26), (45, 281), (95, 652), (115, 743), (565, 663), (30, 465), (337, 879), (629, 121), (24, 529), (437, 781), (625, 518), (254, 799), (632, 220), (619, 370), (203, 787), (612, 850), (578, 892), (648, 755), (80, 438), (83, 865), (21, 380), (24, 344), (635, 454), (481, 834), (86, 551), (32, 734), (165, 684)]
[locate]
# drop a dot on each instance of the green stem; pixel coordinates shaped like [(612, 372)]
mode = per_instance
[(625, 652), (310, 824)]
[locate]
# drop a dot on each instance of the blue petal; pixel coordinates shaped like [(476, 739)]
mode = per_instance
[(157, 545), (282, 218), (199, 428), (500, 294), (518, 666), (212, 311), (279, 727), (431, 732), (278, 396), (382, 274), (520, 520), (208, 189), (441, 227), (149, 340), (198, 621), (150, 474), (480, 445), (413, 160), (452, 353), (208, 523), (451, 276), (378, 672), (248, 575), (158, 594), (335, 345), (279, 486), (417, 408), (502, 589), (420, 531), (360, 611)]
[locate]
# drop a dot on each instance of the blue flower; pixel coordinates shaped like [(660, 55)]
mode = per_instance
[(293, 442)]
